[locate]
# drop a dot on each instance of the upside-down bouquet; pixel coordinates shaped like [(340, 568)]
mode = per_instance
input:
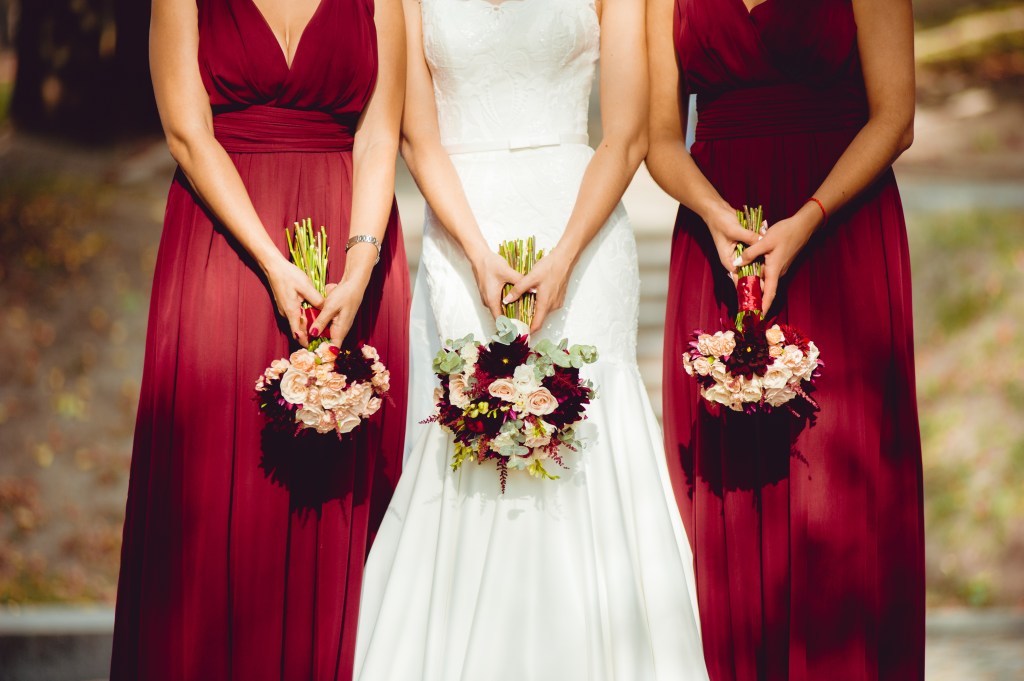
[(507, 401), (753, 364)]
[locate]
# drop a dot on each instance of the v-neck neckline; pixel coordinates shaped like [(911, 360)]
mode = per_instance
[(750, 10), (302, 34)]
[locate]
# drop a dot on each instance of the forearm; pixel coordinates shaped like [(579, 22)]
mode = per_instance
[(435, 175), (675, 171), (373, 195), (879, 143), (215, 178), (604, 182)]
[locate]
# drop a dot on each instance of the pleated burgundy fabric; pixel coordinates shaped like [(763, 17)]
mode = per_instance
[(807, 533), (243, 550)]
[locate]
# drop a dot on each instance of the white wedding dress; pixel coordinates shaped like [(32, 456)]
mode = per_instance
[(584, 578)]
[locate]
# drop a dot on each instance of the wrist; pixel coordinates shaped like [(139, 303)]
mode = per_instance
[(270, 260), (811, 216), (359, 264), (716, 208), (477, 249)]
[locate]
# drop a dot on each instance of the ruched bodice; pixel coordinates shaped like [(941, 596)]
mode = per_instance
[(519, 71)]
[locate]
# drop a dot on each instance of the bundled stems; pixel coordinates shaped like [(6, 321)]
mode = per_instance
[(753, 220), (309, 251), (522, 256)]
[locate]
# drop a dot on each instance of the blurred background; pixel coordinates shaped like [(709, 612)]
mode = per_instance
[(83, 177)]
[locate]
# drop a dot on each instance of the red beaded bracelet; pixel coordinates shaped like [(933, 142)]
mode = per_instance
[(824, 213)]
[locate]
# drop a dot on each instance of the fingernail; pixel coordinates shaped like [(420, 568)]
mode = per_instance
[(737, 262), (506, 300), (314, 332)]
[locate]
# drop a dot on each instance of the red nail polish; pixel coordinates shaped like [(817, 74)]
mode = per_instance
[(314, 333)]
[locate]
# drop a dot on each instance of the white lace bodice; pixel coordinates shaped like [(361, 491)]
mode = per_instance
[(515, 70)]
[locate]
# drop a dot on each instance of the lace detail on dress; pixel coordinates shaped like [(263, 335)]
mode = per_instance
[(523, 70)]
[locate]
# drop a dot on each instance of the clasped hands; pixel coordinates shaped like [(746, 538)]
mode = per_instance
[(291, 288), (779, 246)]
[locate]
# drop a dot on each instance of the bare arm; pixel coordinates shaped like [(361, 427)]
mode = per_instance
[(668, 160), (436, 176), (188, 125), (624, 116), (373, 169)]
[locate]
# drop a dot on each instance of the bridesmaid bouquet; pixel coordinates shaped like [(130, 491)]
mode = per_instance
[(320, 388), (753, 365), (508, 402)]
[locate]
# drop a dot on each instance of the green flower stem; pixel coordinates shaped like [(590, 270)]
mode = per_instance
[(522, 256), (309, 251)]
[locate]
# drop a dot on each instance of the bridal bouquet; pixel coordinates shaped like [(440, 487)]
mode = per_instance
[(321, 388), (753, 365), (506, 401)]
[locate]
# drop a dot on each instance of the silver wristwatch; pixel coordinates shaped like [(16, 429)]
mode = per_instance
[(364, 239)]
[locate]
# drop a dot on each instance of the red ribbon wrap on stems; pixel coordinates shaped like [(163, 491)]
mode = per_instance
[(749, 294), (311, 314)]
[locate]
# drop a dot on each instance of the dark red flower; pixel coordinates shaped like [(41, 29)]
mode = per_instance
[(750, 358), (498, 360)]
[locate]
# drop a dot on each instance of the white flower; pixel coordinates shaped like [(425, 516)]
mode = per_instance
[(506, 439), (702, 366), (525, 379), (457, 391), (810, 363), (792, 357), (295, 386), (779, 396), (777, 376), (750, 389), (470, 353), (309, 417)]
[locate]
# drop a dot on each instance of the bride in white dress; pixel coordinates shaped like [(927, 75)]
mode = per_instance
[(584, 578)]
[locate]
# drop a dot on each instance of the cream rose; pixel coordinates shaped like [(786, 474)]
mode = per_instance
[(360, 395), (327, 353), (309, 416), (470, 353), (702, 366), (774, 335), (457, 391), (540, 402), (382, 381), (327, 423), (779, 396), (313, 397), (718, 393), (323, 373), (525, 379), (687, 364), (335, 382), (719, 372), (295, 386), (775, 351), (503, 389), (438, 394), (373, 406), (261, 384), (370, 352), (303, 360), (777, 376), (726, 343), (792, 357), (750, 390), (346, 421)]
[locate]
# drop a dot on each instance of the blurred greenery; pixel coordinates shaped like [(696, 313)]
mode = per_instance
[(969, 303)]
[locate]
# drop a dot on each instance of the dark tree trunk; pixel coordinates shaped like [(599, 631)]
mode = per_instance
[(83, 69)]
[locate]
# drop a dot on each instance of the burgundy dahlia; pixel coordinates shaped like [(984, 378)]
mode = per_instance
[(750, 358), (498, 360)]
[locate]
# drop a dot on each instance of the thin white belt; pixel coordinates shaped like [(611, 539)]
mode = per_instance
[(517, 143)]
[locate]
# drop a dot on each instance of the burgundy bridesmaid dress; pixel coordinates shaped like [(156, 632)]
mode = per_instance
[(243, 551), (807, 534)]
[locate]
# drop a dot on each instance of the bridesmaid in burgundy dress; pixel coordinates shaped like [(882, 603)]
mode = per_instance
[(807, 533), (243, 552)]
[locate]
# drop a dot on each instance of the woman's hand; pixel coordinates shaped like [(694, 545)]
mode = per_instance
[(492, 272), (780, 247), (727, 231), (291, 287), (339, 310), (549, 279)]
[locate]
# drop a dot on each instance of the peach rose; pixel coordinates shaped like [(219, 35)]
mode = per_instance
[(323, 373), (750, 390), (332, 399), (774, 335), (438, 394), (276, 369), (503, 389), (719, 372), (718, 393), (775, 351), (335, 382), (313, 397), (360, 395), (327, 353), (724, 343), (457, 391), (540, 402), (327, 423), (702, 366), (295, 386), (704, 344), (261, 384), (303, 360), (382, 381), (373, 406), (370, 352), (687, 364)]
